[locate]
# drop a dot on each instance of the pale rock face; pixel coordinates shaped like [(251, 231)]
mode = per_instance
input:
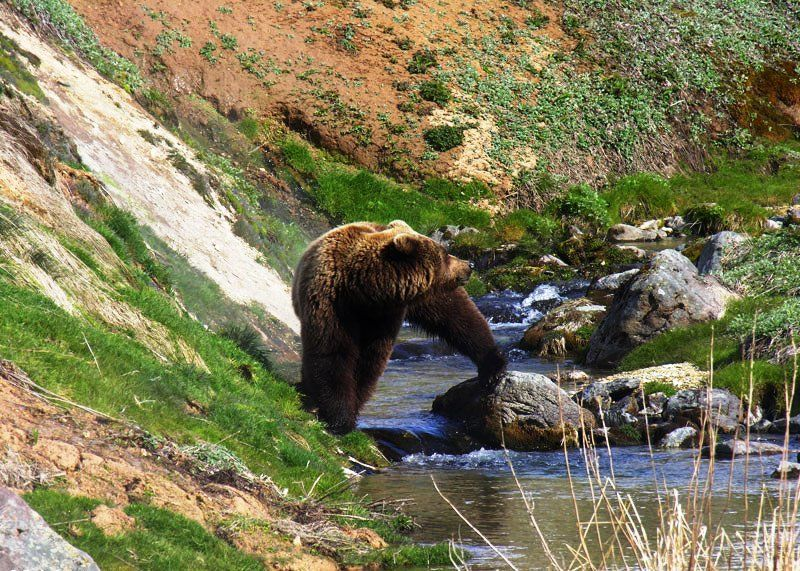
[(718, 246)]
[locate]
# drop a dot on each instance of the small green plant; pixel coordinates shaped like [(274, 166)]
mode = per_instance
[(208, 52), (249, 127), (436, 91), (445, 137), (585, 204), (225, 10), (652, 387), (346, 37), (249, 340), (422, 60), (229, 42), (537, 19)]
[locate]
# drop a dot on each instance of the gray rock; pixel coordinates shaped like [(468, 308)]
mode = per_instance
[(667, 293), (716, 247), (446, 234), (788, 470), (628, 233), (614, 390), (524, 410), (772, 224), (679, 438), (636, 251), (623, 413), (613, 282), (27, 542), (650, 225), (550, 260), (779, 425), (730, 449), (655, 404), (694, 405), (793, 214)]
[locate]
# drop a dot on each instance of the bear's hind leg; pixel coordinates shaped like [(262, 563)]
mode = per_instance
[(329, 381)]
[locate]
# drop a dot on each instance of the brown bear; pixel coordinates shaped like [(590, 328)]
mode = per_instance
[(352, 290)]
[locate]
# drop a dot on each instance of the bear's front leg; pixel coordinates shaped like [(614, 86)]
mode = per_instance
[(328, 380), (453, 317)]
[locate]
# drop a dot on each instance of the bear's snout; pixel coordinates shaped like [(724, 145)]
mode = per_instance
[(461, 270)]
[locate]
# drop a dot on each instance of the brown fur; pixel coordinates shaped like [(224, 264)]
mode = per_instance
[(353, 288)]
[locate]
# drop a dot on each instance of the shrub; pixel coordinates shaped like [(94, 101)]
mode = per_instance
[(705, 219), (445, 137), (422, 61), (435, 91), (538, 225), (586, 204)]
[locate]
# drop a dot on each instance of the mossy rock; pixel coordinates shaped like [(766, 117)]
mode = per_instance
[(563, 331)]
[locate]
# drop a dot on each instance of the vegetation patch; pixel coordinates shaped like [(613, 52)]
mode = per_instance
[(445, 137), (58, 16)]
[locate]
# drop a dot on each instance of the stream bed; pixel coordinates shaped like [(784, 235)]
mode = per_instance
[(480, 483)]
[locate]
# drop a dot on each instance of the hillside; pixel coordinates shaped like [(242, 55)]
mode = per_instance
[(499, 91)]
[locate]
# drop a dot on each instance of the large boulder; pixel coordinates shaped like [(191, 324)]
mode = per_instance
[(667, 293), (560, 332), (716, 248), (27, 542), (526, 411), (721, 407)]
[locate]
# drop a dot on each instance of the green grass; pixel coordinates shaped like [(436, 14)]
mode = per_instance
[(273, 435), (71, 28), (161, 540), (14, 71), (742, 186), (346, 194), (693, 344)]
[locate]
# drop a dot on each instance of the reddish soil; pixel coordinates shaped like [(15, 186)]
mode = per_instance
[(335, 71)]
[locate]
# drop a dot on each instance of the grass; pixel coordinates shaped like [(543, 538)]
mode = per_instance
[(346, 194), (13, 70), (743, 186), (161, 539), (58, 16)]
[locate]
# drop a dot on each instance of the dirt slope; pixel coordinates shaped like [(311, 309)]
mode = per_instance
[(106, 126)]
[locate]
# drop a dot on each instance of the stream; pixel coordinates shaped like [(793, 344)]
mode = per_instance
[(480, 483)]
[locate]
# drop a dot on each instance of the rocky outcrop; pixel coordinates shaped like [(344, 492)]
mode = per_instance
[(27, 542), (559, 333), (679, 438), (525, 411), (668, 293), (446, 234), (722, 409), (716, 247)]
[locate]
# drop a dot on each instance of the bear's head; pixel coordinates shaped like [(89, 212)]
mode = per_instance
[(423, 263)]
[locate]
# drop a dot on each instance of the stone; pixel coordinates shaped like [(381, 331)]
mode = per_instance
[(522, 410), (676, 223), (27, 542), (716, 248), (650, 225), (614, 390), (639, 253), (628, 233), (446, 234), (556, 334), (622, 413), (612, 282), (679, 438), (793, 214), (550, 260), (667, 293), (779, 425), (773, 225), (730, 449), (788, 470), (693, 405)]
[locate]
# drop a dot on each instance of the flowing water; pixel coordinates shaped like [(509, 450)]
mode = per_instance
[(480, 483)]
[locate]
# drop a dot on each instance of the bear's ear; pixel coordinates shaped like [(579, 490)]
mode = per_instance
[(406, 244), (400, 224)]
